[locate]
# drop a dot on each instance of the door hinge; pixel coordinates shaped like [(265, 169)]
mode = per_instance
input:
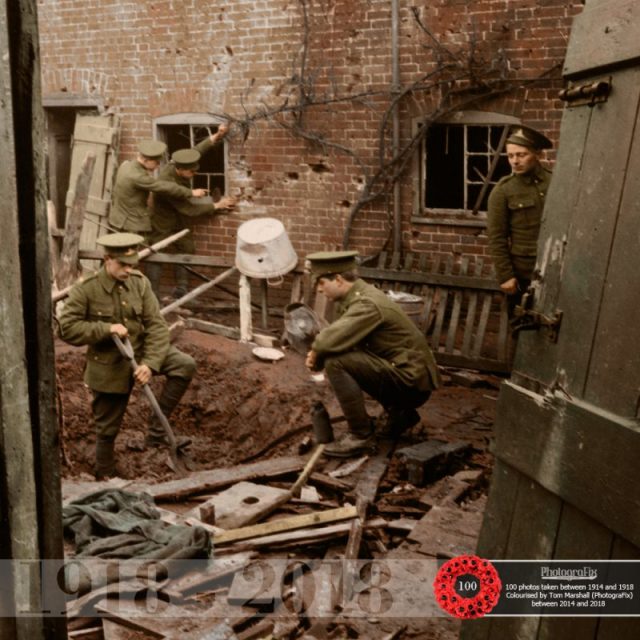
[(526, 319), (586, 94)]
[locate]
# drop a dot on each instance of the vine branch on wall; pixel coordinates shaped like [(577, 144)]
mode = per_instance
[(460, 79)]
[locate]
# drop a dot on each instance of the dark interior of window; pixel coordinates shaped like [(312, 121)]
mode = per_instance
[(454, 177)]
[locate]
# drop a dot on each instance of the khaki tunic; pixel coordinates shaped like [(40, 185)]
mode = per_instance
[(131, 192), (97, 302), (171, 214), (369, 321), (513, 222)]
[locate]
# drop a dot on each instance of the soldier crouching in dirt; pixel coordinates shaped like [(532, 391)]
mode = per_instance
[(373, 347), (118, 300)]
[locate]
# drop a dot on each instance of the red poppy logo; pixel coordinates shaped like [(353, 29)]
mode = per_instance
[(467, 587)]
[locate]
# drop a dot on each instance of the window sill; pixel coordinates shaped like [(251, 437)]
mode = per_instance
[(468, 220)]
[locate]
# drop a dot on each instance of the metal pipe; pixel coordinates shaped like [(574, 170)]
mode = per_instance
[(395, 142)]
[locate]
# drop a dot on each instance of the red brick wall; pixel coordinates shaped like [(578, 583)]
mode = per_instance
[(148, 58)]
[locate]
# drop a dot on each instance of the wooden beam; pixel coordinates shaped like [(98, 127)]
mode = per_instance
[(286, 524), (202, 481), (197, 291)]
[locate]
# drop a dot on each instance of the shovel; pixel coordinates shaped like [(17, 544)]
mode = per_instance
[(181, 461)]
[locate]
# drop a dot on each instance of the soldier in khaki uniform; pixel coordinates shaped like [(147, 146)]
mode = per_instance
[(117, 300), (515, 212), (371, 347), (134, 181), (171, 214)]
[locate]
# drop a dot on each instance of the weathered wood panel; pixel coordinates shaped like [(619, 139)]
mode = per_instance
[(586, 456), (604, 35)]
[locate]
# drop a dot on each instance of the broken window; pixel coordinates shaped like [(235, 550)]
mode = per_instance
[(455, 164), (187, 134)]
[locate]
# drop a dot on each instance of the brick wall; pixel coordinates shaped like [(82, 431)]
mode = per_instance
[(151, 58)]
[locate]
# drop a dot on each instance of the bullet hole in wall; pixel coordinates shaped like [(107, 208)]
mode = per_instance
[(293, 175), (319, 167)]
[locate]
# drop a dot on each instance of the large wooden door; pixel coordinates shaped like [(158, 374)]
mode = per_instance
[(97, 134), (567, 437)]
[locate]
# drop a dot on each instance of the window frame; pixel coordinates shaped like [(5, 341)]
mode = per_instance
[(463, 217), (193, 121)]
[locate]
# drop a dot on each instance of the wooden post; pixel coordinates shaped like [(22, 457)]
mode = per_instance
[(30, 501), (264, 302), (246, 326)]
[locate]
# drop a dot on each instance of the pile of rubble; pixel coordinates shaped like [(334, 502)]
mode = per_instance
[(302, 547)]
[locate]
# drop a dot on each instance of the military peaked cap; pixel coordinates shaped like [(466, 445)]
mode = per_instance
[(121, 246), (329, 262), (186, 158), (152, 149), (528, 137)]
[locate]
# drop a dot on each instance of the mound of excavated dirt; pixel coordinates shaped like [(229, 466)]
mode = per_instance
[(235, 407), (239, 407)]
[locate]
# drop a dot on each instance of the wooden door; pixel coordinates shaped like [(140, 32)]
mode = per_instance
[(97, 134), (567, 446)]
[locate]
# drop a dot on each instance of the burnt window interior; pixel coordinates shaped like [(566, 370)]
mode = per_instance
[(210, 174), (456, 163)]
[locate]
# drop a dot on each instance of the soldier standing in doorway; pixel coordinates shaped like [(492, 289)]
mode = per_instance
[(515, 213)]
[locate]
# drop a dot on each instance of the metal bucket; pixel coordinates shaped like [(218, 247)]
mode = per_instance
[(263, 249)]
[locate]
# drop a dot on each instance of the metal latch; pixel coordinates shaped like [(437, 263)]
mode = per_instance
[(526, 319), (587, 94)]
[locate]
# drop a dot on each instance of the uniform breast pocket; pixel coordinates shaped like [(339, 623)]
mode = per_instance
[(520, 202), (101, 312)]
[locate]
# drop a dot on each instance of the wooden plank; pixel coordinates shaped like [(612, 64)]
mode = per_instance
[(201, 289), (498, 516), (308, 536), (482, 364), (504, 335), (442, 308), (258, 584), (207, 576), (482, 324), (202, 481), (581, 453), (447, 532), (455, 311), (286, 524), (94, 132), (242, 504), (444, 280), (228, 332), (471, 313), (68, 272), (578, 537), (533, 530), (112, 630)]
